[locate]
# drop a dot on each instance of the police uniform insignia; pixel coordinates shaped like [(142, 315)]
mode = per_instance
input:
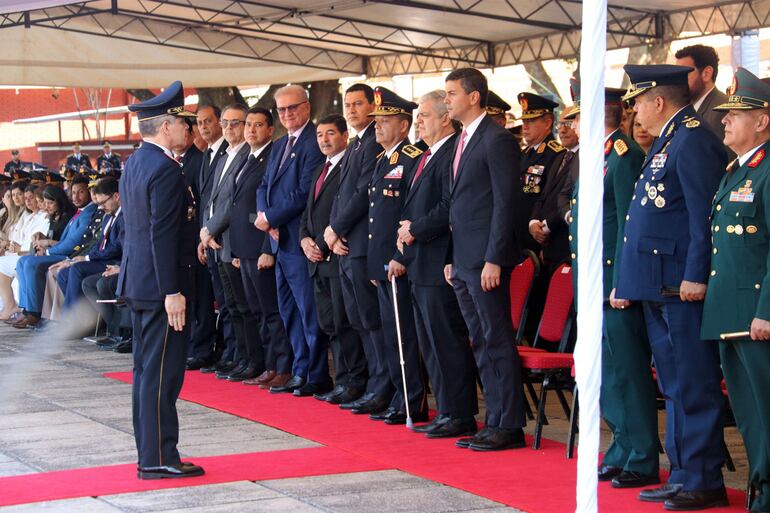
[(381, 154), (377, 97), (652, 193), (646, 186), (411, 151), (396, 173), (670, 130), (692, 123), (738, 229), (524, 104), (541, 148), (757, 158), (394, 158), (661, 187), (660, 201), (730, 228), (621, 147), (532, 179), (733, 86), (555, 146), (643, 201), (607, 147)]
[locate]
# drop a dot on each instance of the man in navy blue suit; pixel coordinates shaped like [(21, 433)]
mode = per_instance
[(664, 264), (483, 194), (157, 279), (281, 199)]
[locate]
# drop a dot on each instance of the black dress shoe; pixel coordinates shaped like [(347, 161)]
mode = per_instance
[(242, 366), (373, 405), (326, 397), (382, 414), (293, 383), (499, 440), (170, 471), (437, 421), (348, 395), (108, 341), (358, 402), (124, 347), (628, 479), (196, 363), (606, 472), (251, 371), (660, 494), (464, 443), (454, 428), (399, 418), (220, 365), (309, 389), (692, 501)]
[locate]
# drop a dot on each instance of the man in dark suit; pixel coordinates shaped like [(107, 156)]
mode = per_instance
[(424, 241), (347, 235), (484, 252), (349, 363), (281, 198), (76, 159), (203, 352), (156, 280), (215, 234), (107, 252), (254, 256), (664, 264), (107, 161)]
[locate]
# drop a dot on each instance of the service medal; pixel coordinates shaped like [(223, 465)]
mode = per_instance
[(660, 202), (738, 229), (643, 201), (751, 229), (652, 193)]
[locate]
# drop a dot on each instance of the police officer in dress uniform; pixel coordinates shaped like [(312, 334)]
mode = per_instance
[(737, 295), (387, 190), (77, 160), (108, 161), (628, 392), (157, 280), (664, 263)]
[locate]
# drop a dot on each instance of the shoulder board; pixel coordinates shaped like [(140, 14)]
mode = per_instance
[(555, 146), (381, 154), (411, 151), (692, 123), (607, 147), (620, 147)]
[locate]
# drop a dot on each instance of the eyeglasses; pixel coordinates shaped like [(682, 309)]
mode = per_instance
[(235, 123), (289, 108)]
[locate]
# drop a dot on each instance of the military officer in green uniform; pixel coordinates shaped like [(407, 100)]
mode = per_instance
[(628, 391), (738, 295)]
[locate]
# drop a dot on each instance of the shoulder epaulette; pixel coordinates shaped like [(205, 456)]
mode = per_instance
[(381, 154), (691, 123), (411, 151), (620, 147), (555, 146)]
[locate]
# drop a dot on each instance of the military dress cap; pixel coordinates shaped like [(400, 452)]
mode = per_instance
[(644, 77), (20, 174), (747, 92), (388, 103), (496, 105), (612, 96), (533, 106), (168, 103)]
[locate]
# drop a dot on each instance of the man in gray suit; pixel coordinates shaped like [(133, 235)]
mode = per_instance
[(215, 234)]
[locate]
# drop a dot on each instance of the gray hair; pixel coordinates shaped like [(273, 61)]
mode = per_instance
[(150, 127), (437, 98), (291, 88)]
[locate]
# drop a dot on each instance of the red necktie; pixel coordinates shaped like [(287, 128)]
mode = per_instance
[(320, 182), (420, 167), (77, 213), (458, 153)]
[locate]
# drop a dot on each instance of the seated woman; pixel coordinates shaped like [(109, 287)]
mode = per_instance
[(60, 210), (13, 208), (32, 225)]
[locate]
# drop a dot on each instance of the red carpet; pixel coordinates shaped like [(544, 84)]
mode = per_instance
[(96, 481), (534, 481)]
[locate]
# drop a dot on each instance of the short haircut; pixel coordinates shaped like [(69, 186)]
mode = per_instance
[(436, 98), (676, 95), (367, 90), (14, 152), (150, 127), (81, 180), (334, 119), (471, 80), (106, 143), (613, 115), (291, 88), (268, 115), (106, 186), (702, 56), (217, 110), (407, 117), (239, 107)]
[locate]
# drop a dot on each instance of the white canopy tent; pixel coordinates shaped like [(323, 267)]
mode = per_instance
[(149, 43)]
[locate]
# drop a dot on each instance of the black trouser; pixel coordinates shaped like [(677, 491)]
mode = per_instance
[(261, 294), (245, 324), (349, 361), (204, 319), (444, 343), (363, 312), (116, 318), (418, 402), (205, 348), (159, 364), (488, 317)]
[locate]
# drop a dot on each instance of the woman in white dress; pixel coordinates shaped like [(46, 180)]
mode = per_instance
[(32, 224), (13, 208)]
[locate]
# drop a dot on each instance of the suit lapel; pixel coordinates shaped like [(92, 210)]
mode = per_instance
[(332, 174), (290, 157)]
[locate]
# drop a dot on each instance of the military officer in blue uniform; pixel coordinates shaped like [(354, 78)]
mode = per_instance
[(157, 279), (387, 190), (664, 264), (77, 160), (628, 392), (108, 161), (737, 299)]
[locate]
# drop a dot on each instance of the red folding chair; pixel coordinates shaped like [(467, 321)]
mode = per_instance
[(522, 278), (552, 369)]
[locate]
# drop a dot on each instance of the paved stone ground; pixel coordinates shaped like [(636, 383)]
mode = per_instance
[(58, 412)]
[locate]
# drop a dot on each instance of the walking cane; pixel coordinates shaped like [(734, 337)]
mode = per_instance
[(409, 423)]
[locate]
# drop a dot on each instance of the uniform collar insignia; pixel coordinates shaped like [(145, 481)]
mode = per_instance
[(607, 147), (757, 158)]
